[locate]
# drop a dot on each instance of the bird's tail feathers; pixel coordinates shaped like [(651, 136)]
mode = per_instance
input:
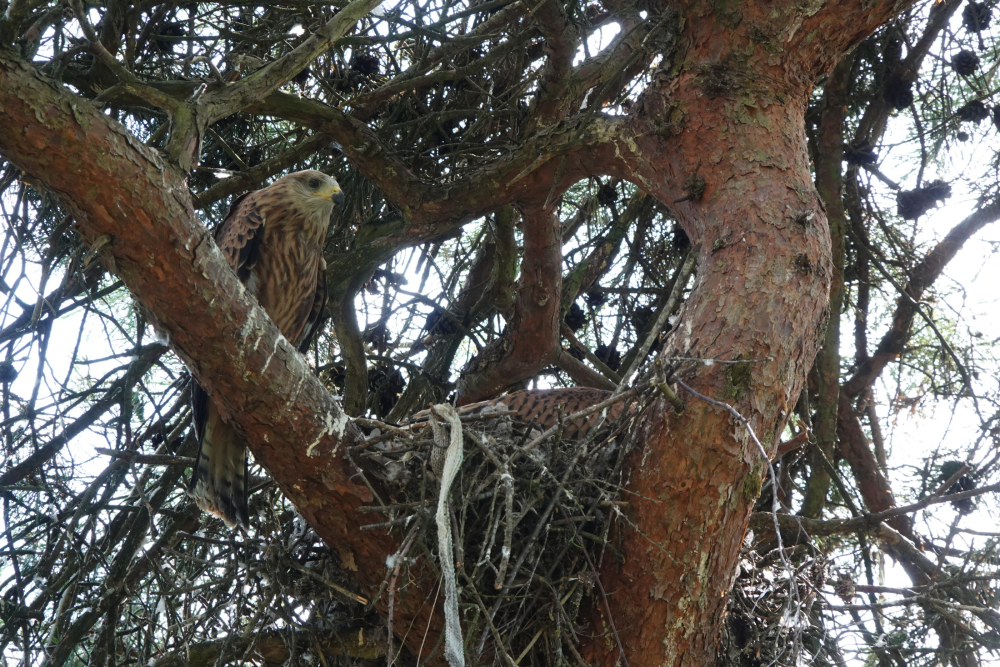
[(218, 483)]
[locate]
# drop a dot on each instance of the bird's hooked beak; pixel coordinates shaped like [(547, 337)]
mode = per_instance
[(333, 193)]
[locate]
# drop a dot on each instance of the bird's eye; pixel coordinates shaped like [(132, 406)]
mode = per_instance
[(314, 183)]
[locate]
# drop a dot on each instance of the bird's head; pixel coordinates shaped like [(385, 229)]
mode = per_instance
[(315, 190)]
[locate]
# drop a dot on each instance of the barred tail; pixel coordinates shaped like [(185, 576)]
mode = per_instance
[(218, 483)]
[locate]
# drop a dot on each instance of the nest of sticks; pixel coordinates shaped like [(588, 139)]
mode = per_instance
[(529, 514)]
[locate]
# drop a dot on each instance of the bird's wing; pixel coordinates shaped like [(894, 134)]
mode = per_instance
[(544, 407), (238, 237), (218, 480), (318, 313)]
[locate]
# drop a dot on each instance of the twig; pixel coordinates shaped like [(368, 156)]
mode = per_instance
[(398, 558), (869, 521), (147, 459), (604, 602), (683, 276), (333, 586)]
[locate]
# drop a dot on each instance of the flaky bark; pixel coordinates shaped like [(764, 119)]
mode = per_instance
[(728, 109), (760, 297)]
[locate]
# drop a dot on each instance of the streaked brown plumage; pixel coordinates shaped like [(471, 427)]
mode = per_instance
[(545, 406), (273, 238)]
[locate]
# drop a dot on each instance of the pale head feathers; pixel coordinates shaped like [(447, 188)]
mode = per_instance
[(312, 192)]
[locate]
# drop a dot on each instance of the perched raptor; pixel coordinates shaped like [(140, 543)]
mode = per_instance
[(273, 238), (545, 407)]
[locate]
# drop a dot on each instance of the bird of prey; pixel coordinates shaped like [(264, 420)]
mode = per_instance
[(545, 407), (273, 238)]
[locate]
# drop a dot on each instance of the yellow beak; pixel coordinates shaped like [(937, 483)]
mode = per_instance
[(334, 194)]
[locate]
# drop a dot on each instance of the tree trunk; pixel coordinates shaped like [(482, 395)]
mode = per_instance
[(758, 306)]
